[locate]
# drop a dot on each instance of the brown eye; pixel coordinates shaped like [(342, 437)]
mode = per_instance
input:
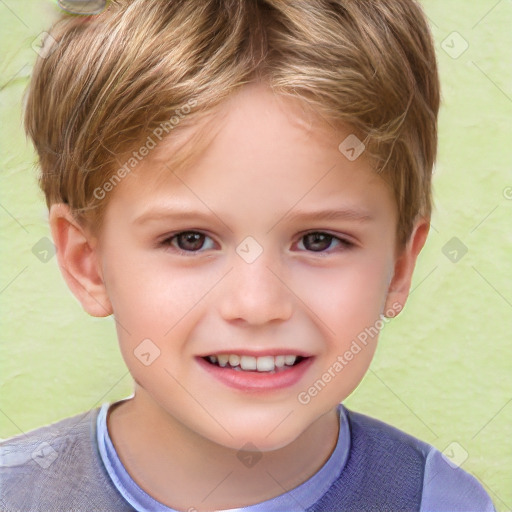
[(186, 241), (190, 241), (318, 241)]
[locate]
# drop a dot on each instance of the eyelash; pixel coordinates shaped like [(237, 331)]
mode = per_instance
[(167, 242)]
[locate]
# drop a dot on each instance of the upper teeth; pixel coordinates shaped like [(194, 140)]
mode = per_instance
[(261, 364)]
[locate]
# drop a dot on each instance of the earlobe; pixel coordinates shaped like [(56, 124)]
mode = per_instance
[(78, 260), (405, 263)]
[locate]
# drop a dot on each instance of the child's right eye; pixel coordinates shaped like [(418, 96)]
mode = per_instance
[(190, 241)]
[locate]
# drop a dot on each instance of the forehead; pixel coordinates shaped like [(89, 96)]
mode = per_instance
[(246, 122), (258, 146)]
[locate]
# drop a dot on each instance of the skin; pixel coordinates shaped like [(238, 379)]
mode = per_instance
[(180, 434)]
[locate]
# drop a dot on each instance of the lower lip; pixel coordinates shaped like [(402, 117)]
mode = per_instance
[(252, 381)]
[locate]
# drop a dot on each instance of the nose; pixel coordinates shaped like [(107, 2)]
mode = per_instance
[(256, 293)]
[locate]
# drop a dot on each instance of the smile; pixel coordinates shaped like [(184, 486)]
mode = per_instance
[(256, 374), (269, 364)]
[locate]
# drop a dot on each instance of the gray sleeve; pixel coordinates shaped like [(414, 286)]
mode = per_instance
[(57, 467), (447, 487)]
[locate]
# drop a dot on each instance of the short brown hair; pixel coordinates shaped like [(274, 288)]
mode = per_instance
[(155, 66)]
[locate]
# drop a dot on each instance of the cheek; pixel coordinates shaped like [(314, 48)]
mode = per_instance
[(347, 303), (150, 296), (152, 301), (345, 299)]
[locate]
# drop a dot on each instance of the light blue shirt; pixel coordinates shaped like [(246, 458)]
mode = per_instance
[(445, 488)]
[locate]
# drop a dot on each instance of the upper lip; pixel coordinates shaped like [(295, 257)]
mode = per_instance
[(259, 353)]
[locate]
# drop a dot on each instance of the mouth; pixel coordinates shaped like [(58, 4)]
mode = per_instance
[(261, 364), (256, 374)]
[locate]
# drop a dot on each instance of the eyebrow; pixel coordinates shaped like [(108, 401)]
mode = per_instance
[(173, 212), (353, 214), (348, 214)]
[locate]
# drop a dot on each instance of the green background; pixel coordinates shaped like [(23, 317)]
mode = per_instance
[(443, 368)]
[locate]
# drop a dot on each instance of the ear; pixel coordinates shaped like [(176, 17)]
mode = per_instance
[(77, 255), (405, 263)]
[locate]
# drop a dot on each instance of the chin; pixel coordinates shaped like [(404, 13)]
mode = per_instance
[(255, 442), (263, 435)]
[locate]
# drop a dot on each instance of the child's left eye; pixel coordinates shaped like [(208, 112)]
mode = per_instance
[(192, 241), (319, 238)]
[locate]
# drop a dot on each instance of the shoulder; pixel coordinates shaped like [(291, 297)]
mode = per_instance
[(445, 486), (374, 434), (448, 487), (56, 467)]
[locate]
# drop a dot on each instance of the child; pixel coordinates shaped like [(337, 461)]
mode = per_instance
[(291, 144)]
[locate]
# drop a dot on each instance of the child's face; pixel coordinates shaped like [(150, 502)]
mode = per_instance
[(251, 281)]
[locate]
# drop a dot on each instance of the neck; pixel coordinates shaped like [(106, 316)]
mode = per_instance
[(173, 463)]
